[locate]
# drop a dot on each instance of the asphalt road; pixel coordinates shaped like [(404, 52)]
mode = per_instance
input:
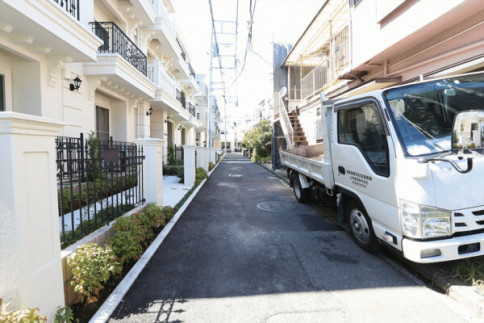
[(246, 251)]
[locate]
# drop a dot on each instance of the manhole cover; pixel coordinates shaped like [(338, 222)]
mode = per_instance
[(276, 206)]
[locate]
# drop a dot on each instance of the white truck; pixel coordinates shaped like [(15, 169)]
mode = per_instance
[(405, 166)]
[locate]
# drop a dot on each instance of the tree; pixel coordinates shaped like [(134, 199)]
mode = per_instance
[(258, 139)]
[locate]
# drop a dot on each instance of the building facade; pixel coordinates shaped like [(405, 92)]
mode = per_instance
[(354, 46), (119, 69)]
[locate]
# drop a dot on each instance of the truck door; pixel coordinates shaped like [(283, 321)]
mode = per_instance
[(363, 156)]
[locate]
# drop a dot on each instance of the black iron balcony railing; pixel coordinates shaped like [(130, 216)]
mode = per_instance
[(192, 71), (192, 110), (180, 96), (116, 41), (70, 6)]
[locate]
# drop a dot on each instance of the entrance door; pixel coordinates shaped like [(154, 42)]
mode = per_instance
[(102, 123)]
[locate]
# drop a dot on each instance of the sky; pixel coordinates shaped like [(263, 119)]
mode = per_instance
[(280, 21)]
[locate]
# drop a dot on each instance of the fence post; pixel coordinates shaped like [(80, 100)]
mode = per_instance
[(213, 153), (206, 157), (199, 162), (189, 165), (30, 266), (152, 169)]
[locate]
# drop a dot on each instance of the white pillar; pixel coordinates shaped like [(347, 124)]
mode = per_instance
[(152, 169), (189, 165), (213, 155), (206, 157), (199, 157), (30, 265)]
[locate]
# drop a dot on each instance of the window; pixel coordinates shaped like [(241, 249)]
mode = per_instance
[(102, 123), (362, 127), (423, 114), (2, 92)]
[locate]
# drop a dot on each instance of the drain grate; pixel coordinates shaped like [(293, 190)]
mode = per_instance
[(276, 206)]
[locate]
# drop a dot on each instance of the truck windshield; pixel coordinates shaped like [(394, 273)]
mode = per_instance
[(423, 114)]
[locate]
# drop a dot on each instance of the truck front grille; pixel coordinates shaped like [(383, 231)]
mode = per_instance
[(468, 219)]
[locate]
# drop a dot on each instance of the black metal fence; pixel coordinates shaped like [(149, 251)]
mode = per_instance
[(116, 41), (70, 6), (97, 181), (192, 110), (175, 155)]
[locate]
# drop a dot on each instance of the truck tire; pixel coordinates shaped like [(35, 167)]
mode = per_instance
[(360, 227), (302, 195)]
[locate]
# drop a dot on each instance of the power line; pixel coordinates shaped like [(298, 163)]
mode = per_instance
[(216, 45), (248, 44)]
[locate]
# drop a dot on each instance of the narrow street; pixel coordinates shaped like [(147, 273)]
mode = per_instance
[(246, 251)]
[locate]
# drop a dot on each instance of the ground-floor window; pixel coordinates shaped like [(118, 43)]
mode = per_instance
[(2, 92), (102, 123)]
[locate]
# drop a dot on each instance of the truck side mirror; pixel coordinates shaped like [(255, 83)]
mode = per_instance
[(468, 131)]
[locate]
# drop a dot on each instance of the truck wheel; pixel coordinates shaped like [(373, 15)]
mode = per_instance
[(360, 227), (302, 195)]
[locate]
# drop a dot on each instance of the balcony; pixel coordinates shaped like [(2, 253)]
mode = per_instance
[(47, 27), (193, 111), (180, 97), (116, 41), (314, 81), (70, 6)]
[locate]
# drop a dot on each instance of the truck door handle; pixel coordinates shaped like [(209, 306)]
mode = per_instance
[(342, 170)]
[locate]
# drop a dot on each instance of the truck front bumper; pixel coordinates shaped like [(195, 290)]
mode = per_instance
[(444, 250)]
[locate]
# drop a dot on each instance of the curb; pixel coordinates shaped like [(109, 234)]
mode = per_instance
[(467, 296), (106, 310)]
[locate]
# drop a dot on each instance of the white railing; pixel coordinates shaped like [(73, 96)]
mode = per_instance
[(313, 83), (165, 19), (167, 83), (285, 122), (151, 73)]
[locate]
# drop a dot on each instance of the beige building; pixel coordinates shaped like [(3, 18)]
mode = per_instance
[(355, 46)]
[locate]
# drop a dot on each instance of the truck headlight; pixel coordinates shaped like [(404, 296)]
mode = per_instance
[(423, 222)]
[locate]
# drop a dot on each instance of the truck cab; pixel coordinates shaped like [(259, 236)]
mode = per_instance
[(407, 168)]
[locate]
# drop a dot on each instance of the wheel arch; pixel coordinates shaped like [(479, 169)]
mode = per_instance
[(346, 197)]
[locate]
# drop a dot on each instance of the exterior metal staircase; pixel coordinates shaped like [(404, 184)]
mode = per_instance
[(298, 132)]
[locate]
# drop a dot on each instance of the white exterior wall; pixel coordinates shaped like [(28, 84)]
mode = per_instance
[(369, 13), (308, 119)]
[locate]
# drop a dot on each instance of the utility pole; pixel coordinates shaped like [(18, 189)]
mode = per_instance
[(223, 47)]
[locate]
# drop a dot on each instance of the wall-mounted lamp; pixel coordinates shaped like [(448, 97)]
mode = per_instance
[(179, 127), (167, 119), (197, 141), (75, 84), (149, 112)]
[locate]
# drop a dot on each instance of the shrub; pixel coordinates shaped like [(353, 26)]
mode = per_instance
[(171, 154), (92, 266), (210, 166), (64, 314), (93, 169), (154, 215), (168, 212), (200, 175), (125, 247), (29, 315), (134, 226)]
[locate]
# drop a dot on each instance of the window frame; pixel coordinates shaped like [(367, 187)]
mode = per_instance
[(7, 88), (100, 134), (353, 105), (3, 104)]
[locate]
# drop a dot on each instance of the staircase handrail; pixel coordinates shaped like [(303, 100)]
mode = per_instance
[(285, 121)]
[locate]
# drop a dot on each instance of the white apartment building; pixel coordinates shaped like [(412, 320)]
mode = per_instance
[(118, 68)]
